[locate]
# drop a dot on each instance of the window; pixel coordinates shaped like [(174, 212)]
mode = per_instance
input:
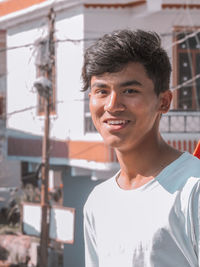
[(89, 126), (187, 69), (46, 67)]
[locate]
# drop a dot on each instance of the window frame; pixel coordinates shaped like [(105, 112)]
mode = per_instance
[(176, 74)]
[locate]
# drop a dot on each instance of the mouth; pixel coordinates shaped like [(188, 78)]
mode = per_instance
[(116, 124)]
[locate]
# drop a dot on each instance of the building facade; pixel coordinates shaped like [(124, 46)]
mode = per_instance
[(76, 150)]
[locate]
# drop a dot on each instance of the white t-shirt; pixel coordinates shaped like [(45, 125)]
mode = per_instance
[(155, 225)]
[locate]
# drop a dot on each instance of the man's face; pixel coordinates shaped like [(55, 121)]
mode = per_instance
[(124, 107)]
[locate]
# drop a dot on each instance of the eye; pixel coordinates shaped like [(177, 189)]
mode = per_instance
[(130, 91), (101, 92)]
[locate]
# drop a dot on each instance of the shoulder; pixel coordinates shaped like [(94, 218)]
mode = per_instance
[(181, 174), (191, 171), (191, 158), (189, 165)]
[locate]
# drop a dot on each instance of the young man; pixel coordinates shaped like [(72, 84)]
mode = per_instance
[(148, 213)]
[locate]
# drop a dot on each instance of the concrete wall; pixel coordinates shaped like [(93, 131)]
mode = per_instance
[(75, 29), (147, 18), (20, 78), (21, 96), (69, 121)]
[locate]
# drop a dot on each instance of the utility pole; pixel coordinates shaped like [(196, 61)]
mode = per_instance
[(44, 239), (44, 87)]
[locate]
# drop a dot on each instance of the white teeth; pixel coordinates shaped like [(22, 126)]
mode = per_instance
[(116, 122)]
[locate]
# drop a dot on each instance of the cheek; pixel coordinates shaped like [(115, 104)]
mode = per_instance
[(93, 104), (135, 105), (95, 111), (96, 107)]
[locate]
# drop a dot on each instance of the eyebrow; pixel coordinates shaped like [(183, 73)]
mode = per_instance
[(99, 85), (123, 84), (129, 83)]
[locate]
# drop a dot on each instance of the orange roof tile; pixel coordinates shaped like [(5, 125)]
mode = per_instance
[(178, 6), (117, 5), (10, 6)]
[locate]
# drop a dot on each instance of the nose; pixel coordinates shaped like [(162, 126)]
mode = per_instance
[(114, 103)]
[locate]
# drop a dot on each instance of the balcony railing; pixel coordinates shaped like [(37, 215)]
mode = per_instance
[(172, 122), (180, 122)]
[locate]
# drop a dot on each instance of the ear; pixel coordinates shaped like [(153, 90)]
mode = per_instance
[(165, 101)]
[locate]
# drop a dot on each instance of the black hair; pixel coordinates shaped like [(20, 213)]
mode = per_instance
[(114, 50)]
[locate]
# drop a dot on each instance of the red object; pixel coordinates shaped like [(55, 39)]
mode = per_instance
[(197, 150)]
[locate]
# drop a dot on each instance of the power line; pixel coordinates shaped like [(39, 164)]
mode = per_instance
[(20, 110), (187, 36), (186, 82), (16, 47), (77, 41), (190, 56), (26, 109)]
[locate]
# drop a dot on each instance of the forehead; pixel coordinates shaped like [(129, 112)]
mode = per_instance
[(133, 71)]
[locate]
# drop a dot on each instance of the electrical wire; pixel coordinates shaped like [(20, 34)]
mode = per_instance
[(75, 41), (192, 64), (193, 34), (186, 82)]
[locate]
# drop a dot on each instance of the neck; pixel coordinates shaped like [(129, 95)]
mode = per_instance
[(144, 162)]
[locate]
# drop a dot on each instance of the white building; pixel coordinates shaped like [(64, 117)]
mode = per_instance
[(77, 150)]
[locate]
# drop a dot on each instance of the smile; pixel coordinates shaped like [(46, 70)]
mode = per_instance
[(114, 125), (117, 122)]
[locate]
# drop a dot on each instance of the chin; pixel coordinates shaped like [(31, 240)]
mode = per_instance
[(113, 142)]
